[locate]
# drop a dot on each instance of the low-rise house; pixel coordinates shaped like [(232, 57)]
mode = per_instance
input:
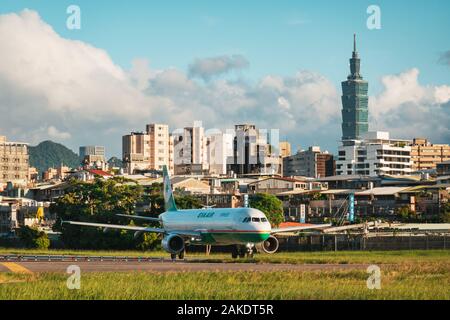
[(48, 192), (277, 185)]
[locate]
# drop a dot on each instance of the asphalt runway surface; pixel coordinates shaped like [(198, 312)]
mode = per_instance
[(166, 266)]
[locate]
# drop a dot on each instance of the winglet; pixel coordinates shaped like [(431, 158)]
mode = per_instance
[(169, 200)]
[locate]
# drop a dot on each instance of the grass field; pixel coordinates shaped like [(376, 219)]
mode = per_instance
[(397, 282), (404, 275)]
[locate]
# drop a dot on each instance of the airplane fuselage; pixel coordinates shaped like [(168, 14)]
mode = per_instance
[(219, 226)]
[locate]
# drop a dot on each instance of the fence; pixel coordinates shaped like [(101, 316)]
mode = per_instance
[(359, 242)]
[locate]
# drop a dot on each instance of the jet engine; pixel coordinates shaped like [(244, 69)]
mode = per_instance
[(268, 246), (173, 243)]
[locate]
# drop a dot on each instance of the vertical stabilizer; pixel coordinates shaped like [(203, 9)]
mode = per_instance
[(169, 200)]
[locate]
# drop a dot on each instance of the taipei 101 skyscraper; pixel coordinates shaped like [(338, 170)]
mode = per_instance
[(354, 101)]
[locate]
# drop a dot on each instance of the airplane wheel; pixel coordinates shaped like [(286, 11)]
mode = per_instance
[(173, 256), (234, 252), (181, 255), (242, 253)]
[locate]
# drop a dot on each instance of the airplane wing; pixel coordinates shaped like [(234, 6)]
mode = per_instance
[(138, 217), (183, 233), (116, 226), (300, 228)]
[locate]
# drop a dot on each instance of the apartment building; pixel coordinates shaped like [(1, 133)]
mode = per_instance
[(190, 150), (148, 150), (59, 173), (309, 163), (426, 155), (161, 146), (219, 147), (285, 149), (252, 153), (93, 157), (375, 154), (14, 161), (136, 152)]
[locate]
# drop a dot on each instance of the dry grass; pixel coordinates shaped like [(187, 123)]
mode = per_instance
[(417, 281)]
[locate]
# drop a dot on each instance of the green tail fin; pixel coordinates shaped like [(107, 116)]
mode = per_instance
[(169, 200)]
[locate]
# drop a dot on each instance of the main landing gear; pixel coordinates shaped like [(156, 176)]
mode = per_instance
[(242, 251), (180, 255)]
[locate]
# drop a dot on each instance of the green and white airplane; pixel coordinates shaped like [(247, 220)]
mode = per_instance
[(245, 229)]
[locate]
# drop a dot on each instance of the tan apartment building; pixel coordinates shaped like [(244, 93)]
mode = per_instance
[(14, 161), (148, 150), (136, 152), (426, 155), (59, 173), (285, 149)]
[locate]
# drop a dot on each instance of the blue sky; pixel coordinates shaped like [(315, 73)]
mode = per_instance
[(277, 38)]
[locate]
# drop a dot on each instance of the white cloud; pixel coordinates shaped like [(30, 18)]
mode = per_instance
[(55, 88), (408, 109), (444, 58), (56, 134), (140, 73), (46, 80), (208, 68)]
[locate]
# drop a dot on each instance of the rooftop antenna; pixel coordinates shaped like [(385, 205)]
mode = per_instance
[(354, 42)]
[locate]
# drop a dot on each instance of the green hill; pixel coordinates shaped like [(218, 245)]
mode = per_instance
[(49, 154)]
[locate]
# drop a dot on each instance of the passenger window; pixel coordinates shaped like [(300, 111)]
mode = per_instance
[(255, 219)]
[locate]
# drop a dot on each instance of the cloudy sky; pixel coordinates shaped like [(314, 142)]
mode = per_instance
[(276, 64)]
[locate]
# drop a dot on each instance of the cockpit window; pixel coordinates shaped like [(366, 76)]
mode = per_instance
[(263, 220), (247, 219), (255, 220)]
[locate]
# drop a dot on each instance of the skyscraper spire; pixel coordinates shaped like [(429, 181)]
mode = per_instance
[(354, 62), (354, 100)]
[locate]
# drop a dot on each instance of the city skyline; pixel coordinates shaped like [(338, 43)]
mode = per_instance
[(110, 93)]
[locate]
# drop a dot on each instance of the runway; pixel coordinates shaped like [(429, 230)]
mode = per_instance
[(167, 266)]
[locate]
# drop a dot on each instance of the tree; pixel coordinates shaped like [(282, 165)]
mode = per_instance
[(99, 201), (187, 202), (445, 213), (270, 205), (406, 214), (33, 238)]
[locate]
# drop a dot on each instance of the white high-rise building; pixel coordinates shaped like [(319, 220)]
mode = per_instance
[(190, 154), (375, 154), (219, 148), (161, 146), (253, 152)]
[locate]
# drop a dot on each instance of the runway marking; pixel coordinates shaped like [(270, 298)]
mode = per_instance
[(16, 268)]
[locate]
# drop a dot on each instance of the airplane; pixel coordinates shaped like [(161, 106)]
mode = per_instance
[(245, 229)]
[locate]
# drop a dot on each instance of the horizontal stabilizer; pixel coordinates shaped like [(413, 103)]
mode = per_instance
[(300, 228), (129, 216)]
